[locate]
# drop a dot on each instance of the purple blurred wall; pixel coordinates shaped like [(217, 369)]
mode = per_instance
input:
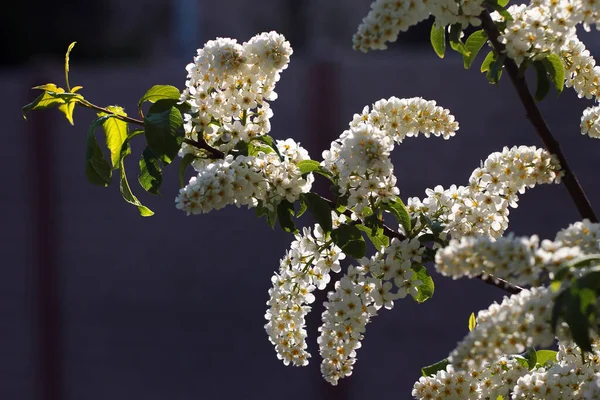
[(172, 306)]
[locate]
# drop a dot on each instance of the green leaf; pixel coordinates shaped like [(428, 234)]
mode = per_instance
[(499, 6), (150, 177), (285, 213), (437, 36), (493, 66), (260, 209), (128, 196), (487, 62), (319, 209), (355, 248), (427, 287), (400, 212), (556, 69), (67, 65), (530, 356), (455, 42), (543, 84), (302, 208), (68, 109), (54, 96), (160, 92), (45, 100), (272, 217), (434, 368), (376, 236), (344, 234), (116, 133), (472, 322), (545, 357), (49, 87), (97, 168), (473, 44), (268, 140), (185, 162), (164, 133), (308, 166), (577, 306)]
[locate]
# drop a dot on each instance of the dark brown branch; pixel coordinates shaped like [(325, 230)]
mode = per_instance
[(534, 115), (215, 153), (124, 118), (488, 279), (500, 283)]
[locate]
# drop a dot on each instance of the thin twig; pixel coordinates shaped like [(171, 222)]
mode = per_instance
[(500, 283), (215, 153), (124, 118), (534, 115)]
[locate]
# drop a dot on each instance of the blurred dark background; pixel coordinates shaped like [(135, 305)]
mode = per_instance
[(97, 302)]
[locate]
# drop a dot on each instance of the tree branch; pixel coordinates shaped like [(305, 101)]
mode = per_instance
[(488, 279), (215, 153), (124, 118), (537, 120)]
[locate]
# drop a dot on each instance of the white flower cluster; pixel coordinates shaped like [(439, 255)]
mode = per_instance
[(481, 209), (357, 297), (360, 158), (581, 71), (590, 122), (228, 86), (305, 267), (387, 18), (537, 29), (491, 382), (591, 389), (246, 180), (519, 260), (545, 27), (520, 321), (584, 234), (572, 376), (569, 376)]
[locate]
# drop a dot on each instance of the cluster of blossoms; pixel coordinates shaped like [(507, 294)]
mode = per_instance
[(584, 234), (228, 86), (572, 376), (590, 122), (520, 321), (360, 158), (581, 72), (265, 178), (387, 18), (481, 209), (492, 382), (536, 29), (520, 260), (358, 296), (305, 267)]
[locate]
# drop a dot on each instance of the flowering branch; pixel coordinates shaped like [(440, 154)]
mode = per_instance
[(534, 115), (488, 279)]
